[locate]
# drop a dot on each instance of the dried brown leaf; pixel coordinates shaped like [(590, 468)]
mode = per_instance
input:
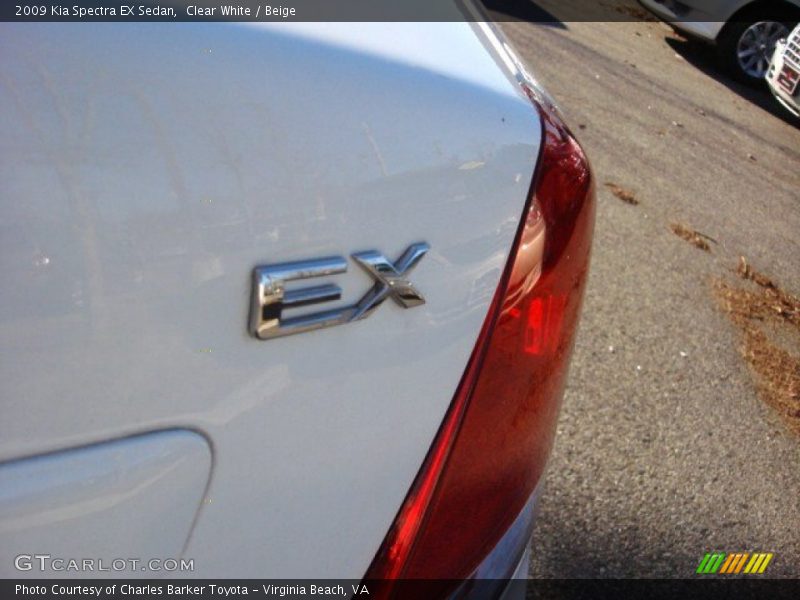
[(760, 313), (621, 193), (635, 12), (745, 271), (690, 235)]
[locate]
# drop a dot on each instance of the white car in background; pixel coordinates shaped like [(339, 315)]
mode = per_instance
[(784, 72), (285, 300), (744, 32)]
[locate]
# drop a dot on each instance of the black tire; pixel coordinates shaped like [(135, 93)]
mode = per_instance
[(728, 44)]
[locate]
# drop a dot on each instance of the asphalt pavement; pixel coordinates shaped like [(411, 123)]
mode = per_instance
[(664, 450)]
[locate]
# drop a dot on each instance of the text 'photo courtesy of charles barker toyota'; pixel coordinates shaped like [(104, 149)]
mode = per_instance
[(427, 299), (190, 590)]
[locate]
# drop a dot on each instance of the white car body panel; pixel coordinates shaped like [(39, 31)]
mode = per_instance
[(708, 30), (707, 17), (81, 503), (146, 169)]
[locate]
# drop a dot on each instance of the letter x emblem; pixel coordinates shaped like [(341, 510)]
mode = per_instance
[(390, 279)]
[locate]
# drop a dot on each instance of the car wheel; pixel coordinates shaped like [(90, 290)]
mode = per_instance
[(745, 48)]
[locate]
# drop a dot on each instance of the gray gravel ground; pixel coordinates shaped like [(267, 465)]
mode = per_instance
[(661, 457)]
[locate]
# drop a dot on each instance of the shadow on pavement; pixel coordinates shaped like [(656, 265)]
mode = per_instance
[(522, 10), (702, 57)]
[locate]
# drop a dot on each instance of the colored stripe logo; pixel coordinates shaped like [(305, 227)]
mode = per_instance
[(732, 563)]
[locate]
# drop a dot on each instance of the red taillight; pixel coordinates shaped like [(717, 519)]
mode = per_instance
[(493, 444)]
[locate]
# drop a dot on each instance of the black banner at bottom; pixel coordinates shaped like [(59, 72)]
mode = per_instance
[(285, 589)]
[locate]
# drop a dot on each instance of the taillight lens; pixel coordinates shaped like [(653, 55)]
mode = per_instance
[(492, 447)]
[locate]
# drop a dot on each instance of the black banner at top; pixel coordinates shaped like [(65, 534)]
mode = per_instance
[(374, 10)]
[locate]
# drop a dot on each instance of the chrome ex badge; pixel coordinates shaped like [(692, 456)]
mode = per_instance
[(271, 298)]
